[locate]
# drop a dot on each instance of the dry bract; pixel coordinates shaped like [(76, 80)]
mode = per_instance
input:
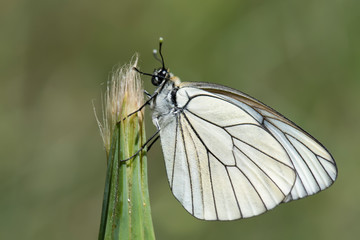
[(123, 95)]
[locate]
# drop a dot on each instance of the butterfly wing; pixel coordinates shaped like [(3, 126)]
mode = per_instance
[(222, 162), (315, 167)]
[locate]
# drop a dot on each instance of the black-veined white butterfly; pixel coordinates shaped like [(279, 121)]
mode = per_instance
[(229, 156)]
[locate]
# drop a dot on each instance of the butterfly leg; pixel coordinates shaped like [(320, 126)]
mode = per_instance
[(140, 108), (155, 135), (147, 94)]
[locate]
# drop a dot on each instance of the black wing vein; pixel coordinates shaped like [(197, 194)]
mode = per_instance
[(188, 166), (173, 166)]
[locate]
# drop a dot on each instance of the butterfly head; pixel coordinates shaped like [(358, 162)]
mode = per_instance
[(159, 76)]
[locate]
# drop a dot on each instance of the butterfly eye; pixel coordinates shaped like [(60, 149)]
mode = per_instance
[(163, 74), (155, 81)]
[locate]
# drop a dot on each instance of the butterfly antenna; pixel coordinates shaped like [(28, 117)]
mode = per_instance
[(160, 46), (143, 73), (156, 56)]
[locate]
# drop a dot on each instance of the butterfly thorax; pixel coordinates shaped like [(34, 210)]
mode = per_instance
[(164, 104)]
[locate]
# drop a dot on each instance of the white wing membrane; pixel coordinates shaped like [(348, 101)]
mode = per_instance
[(306, 154), (315, 168), (214, 111), (223, 168)]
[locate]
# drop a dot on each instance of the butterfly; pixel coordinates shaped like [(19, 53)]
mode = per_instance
[(229, 156)]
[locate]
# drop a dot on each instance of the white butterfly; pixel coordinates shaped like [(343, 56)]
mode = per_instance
[(229, 156)]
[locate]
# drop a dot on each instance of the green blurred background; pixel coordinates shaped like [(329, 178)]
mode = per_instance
[(300, 57)]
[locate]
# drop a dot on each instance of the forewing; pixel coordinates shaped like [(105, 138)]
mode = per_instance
[(221, 163), (315, 167)]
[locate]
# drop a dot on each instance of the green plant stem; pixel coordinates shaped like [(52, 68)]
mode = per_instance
[(126, 207)]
